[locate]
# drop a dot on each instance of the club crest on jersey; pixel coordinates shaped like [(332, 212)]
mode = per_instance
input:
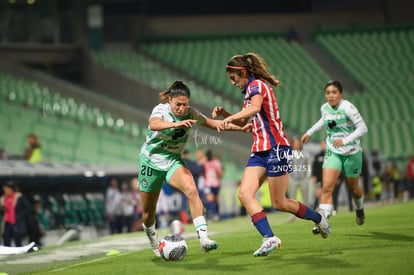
[(254, 88), (144, 183), (338, 116)]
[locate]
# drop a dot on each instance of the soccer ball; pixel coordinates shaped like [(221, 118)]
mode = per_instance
[(177, 227), (173, 247)]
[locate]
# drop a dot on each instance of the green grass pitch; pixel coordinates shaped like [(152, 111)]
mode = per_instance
[(383, 245)]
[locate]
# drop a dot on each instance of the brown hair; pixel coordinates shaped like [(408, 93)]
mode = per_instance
[(35, 143), (254, 65), (176, 89)]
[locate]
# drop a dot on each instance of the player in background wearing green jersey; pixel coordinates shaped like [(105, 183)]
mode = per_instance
[(344, 126), (161, 161)]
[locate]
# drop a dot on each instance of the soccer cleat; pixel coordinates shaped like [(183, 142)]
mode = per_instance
[(360, 216), (153, 239), (323, 225), (208, 245), (268, 245), (316, 230)]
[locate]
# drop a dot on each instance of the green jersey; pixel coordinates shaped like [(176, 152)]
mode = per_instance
[(163, 147), (343, 122)]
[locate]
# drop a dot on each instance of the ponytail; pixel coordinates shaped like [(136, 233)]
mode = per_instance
[(254, 65)]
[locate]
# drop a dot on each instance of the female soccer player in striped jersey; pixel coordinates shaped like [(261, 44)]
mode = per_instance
[(160, 160), (271, 151), (344, 126)]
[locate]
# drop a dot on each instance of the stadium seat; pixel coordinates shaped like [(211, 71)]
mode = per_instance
[(68, 130), (157, 76)]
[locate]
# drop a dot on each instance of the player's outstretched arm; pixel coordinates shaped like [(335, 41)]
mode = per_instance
[(214, 124), (243, 115), (211, 123), (157, 124), (315, 127), (221, 112)]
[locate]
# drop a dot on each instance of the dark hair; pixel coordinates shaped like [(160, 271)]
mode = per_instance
[(209, 154), (254, 65), (178, 88), (335, 83), (11, 184), (36, 142)]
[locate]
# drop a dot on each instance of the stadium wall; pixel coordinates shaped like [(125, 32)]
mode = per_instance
[(198, 25)]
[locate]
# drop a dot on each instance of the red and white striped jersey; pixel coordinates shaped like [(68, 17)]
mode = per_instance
[(211, 173), (267, 128)]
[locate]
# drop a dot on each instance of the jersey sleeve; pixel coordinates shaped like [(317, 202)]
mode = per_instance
[(158, 111), (317, 126), (359, 123), (197, 115), (255, 89)]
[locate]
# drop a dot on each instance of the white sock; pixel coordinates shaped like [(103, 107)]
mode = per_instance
[(327, 208), (200, 225), (151, 228), (359, 203)]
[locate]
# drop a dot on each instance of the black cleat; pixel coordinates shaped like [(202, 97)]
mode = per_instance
[(360, 216)]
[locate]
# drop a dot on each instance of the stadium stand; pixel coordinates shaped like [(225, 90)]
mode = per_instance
[(156, 75), (302, 78), (69, 130), (299, 73)]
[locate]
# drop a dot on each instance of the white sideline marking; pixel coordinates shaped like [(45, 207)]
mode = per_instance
[(84, 263)]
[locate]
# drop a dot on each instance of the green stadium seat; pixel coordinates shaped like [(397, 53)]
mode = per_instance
[(155, 75), (67, 129)]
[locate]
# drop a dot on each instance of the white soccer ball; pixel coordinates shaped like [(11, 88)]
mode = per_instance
[(173, 247), (177, 227)]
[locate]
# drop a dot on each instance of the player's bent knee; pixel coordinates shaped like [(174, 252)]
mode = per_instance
[(244, 197)]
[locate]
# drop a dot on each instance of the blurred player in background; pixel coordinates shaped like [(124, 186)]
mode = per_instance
[(344, 126), (317, 172), (300, 178), (113, 211), (409, 182), (196, 170), (213, 171), (271, 152), (161, 160)]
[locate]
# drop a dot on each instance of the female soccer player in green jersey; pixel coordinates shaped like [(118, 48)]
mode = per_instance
[(344, 126), (160, 160)]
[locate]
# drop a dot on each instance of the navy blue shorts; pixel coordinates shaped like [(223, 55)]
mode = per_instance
[(277, 161)]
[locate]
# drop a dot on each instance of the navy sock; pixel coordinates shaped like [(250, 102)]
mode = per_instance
[(262, 225), (306, 213), (210, 209)]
